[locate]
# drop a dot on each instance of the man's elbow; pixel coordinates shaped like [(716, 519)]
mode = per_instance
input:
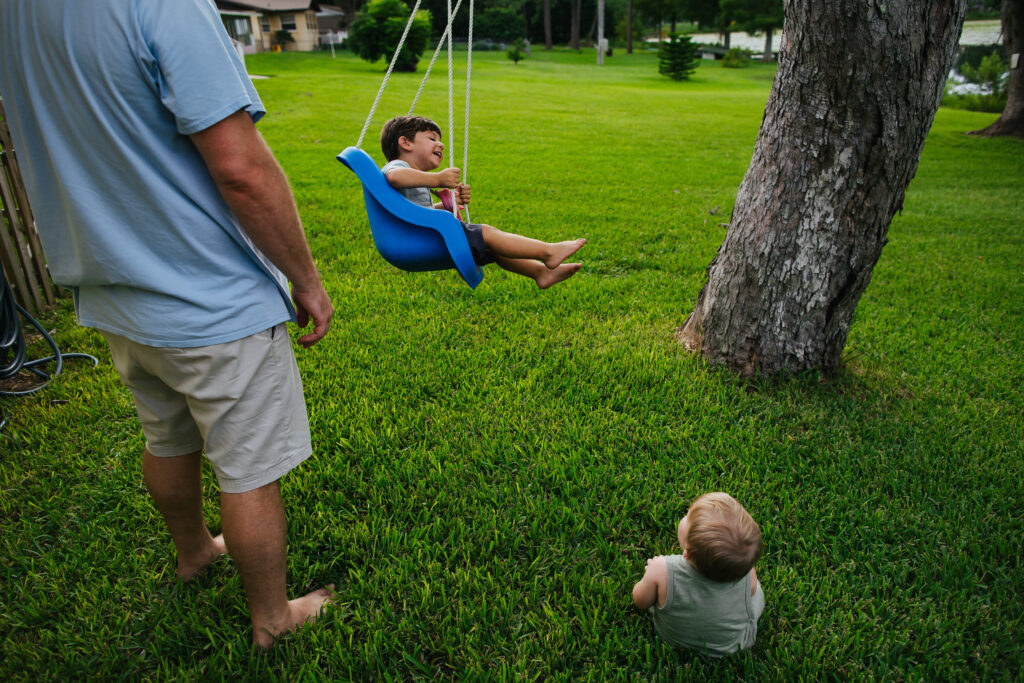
[(240, 177)]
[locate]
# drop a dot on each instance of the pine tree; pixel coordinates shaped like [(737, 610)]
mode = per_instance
[(678, 57)]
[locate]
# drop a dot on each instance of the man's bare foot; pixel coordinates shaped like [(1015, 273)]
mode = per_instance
[(561, 251), (191, 567), (557, 274), (300, 611)]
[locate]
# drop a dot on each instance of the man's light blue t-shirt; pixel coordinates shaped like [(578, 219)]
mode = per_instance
[(127, 211)]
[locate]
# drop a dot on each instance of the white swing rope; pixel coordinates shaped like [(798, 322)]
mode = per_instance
[(447, 35), (387, 76), (437, 51)]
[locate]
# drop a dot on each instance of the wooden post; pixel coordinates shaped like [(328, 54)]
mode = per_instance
[(20, 251)]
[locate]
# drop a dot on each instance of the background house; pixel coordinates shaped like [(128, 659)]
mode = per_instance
[(254, 23)]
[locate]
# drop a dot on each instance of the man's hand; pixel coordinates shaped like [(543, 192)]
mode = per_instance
[(462, 194), (449, 177), (316, 305)]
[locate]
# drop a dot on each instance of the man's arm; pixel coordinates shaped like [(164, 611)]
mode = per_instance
[(654, 585), (254, 186)]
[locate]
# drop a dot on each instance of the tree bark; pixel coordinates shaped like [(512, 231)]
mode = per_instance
[(855, 94), (629, 27), (574, 27), (1011, 121), (766, 56), (547, 25)]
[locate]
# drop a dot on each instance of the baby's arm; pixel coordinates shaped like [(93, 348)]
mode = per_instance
[(653, 587), (753, 581)]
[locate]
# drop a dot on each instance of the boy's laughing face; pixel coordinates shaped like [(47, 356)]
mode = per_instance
[(424, 152)]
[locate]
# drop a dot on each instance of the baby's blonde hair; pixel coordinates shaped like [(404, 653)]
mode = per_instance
[(723, 540)]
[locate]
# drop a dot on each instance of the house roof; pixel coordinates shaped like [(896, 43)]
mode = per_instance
[(272, 5)]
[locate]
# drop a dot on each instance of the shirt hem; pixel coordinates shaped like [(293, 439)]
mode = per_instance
[(185, 343)]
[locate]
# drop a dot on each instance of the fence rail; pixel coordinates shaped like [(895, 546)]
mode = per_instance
[(20, 251)]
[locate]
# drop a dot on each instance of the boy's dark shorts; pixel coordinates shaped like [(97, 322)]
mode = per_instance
[(475, 236)]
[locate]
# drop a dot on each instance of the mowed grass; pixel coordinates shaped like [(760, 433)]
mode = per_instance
[(493, 467)]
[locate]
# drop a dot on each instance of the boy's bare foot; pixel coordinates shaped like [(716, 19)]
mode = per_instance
[(191, 567), (300, 611), (561, 251), (557, 274)]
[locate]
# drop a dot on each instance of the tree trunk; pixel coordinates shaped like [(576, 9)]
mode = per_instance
[(574, 27), (840, 140), (629, 27), (766, 56), (726, 39), (1011, 121), (547, 25)]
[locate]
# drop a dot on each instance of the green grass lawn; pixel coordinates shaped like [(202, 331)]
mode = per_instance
[(493, 467)]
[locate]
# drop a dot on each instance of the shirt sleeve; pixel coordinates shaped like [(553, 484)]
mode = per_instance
[(195, 69), (392, 165)]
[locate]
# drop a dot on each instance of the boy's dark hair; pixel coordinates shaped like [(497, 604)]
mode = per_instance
[(723, 541), (403, 127)]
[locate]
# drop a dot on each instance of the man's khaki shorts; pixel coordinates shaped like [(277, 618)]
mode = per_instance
[(240, 401)]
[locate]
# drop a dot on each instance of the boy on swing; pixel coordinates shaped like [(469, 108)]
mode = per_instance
[(412, 145)]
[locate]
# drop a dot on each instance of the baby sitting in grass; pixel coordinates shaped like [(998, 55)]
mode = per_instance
[(707, 599), (412, 146)]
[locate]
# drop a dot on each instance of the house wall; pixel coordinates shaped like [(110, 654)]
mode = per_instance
[(302, 26)]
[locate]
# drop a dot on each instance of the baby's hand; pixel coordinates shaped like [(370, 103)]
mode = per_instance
[(449, 177), (462, 194)]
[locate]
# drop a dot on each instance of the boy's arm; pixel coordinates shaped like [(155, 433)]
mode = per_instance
[(410, 177), (654, 585)]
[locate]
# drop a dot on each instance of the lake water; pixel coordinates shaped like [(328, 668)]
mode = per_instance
[(974, 33)]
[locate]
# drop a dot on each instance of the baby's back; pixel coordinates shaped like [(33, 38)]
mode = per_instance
[(705, 615)]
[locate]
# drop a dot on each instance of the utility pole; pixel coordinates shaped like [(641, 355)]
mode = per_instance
[(602, 44)]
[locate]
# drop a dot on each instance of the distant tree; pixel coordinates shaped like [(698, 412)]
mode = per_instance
[(755, 16), (701, 12), (574, 29), (547, 25), (378, 28), (677, 58), (515, 51), (1011, 121), (502, 24), (840, 140)]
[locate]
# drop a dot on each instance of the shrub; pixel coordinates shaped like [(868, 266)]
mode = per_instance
[(515, 51), (736, 58), (283, 37), (378, 28), (677, 57), (979, 88)]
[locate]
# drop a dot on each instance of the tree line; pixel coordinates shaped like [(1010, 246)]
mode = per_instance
[(574, 22)]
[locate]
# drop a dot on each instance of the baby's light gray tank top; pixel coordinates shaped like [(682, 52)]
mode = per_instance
[(705, 615)]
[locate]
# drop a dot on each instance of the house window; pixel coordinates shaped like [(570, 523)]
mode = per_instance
[(265, 24), (238, 28), (311, 22), (288, 22)]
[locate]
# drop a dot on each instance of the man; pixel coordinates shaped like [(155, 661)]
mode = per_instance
[(165, 212)]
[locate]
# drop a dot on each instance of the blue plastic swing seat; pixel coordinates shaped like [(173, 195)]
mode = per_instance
[(409, 236)]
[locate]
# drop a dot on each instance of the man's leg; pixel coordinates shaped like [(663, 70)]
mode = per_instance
[(255, 531), (176, 487)]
